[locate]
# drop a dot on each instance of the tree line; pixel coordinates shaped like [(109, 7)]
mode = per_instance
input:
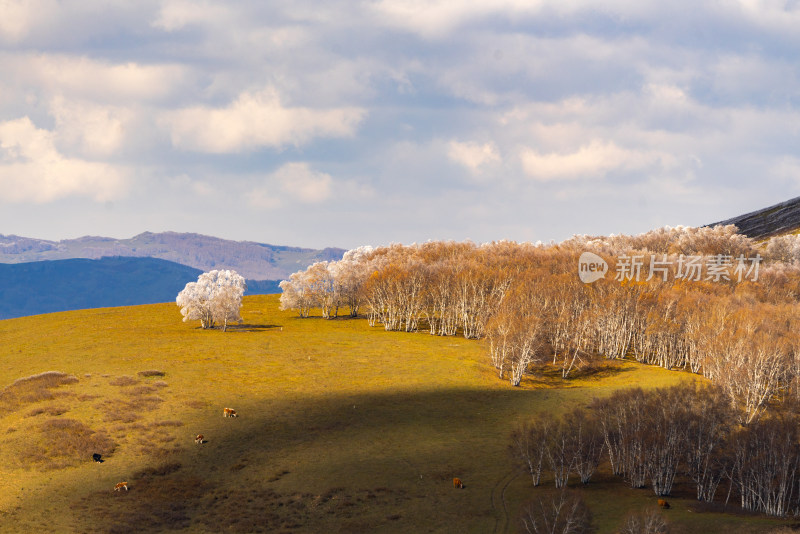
[(650, 438), (528, 304)]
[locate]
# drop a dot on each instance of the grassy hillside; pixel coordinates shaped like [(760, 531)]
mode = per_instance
[(342, 428)]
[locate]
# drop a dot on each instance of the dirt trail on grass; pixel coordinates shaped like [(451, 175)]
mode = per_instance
[(501, 522)]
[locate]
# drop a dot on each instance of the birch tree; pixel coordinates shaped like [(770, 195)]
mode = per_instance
[(216, 297), (529, 445), (561, 513), (297, 294), (765, 467), (586, 443), (707, 433)]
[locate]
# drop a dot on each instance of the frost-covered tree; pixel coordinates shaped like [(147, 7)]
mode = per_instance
[(216, 297), (328, 285), (297, 294), (351, 273), (195, 303)]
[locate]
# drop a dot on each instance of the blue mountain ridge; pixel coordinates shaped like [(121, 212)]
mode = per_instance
[(74, 284)]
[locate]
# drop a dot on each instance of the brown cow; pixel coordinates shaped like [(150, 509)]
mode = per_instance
[(663, 504), (457, 483), (229, 412), (120, 486), (199, 439)]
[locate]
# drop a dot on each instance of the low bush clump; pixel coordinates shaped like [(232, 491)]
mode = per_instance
[(124, 380), (151, 373), (49, 410), (63, 442), (33, 388), (129, 411)]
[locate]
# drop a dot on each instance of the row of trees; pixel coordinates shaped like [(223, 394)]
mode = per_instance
[(652, 438), (329, 285), (529, 304), (449, 287), (444, 287), (564, 512), (744, 337), (784, 248), (567, 446)]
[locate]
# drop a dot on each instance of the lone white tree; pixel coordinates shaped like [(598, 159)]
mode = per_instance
[(216, 297)]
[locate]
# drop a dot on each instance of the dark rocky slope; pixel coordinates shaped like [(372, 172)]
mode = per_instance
[(775, 220)]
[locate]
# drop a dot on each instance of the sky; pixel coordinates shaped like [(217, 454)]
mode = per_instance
[(373, 122)]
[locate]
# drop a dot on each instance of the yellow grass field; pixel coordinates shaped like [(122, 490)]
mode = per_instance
[(341, 428)]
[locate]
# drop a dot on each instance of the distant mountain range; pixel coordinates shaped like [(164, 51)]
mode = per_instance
[(255, 261), (39, 276), (782, 218)]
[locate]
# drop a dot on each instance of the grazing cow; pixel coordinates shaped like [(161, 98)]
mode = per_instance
[(457, 483), (663, 504), (97, 458), (120, 486), (229, 412), (199, 439)]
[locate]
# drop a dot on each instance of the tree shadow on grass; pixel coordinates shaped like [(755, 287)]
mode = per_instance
[(340, 317), (373, 461), (345, 462), (549, 375), (251, 327), (244, 327), (600, 370)]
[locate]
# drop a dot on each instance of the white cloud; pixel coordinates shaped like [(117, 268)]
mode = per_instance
[(303, 183), (473, 155), (439, 17), (293, 182), (92, 79), (176, 14), (787, 168), (49, 24), (590, 161), (17, 17), (204, 189), (773, 15), (264, 198), (257, 120), (32, 169), (199, 187), (95, 130)]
